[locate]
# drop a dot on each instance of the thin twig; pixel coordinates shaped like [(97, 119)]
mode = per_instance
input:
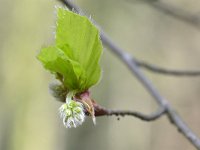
[(164, 71), (132, 65), (176, 13), (136, 114), (101, 111)]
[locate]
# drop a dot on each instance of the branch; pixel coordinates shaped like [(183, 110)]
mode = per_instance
[(174, 12), (183, 128), (132, 65), (164, 71)]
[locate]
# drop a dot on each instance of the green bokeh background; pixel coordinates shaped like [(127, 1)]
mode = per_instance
[(29, 117)]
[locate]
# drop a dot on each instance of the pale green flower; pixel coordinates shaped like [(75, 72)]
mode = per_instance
[(72, 113)]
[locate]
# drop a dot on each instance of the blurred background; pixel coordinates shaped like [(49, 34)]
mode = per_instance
[(29, 117)]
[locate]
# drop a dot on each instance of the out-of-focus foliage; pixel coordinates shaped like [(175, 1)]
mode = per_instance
[(29, 114)]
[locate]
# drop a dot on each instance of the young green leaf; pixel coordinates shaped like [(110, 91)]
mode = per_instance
[(56, 61), (82, 39), (76, 52)]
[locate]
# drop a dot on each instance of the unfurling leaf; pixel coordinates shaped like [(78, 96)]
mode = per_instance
[(76, 53)]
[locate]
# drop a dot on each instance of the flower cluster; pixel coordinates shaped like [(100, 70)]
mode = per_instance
[(72, 113)]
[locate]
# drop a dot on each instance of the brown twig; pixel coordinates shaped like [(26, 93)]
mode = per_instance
[(101, 111), (161, 101), (139, 115)]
